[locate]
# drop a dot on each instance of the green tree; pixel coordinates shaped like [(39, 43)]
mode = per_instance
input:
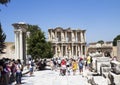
[(48, 51), (2, 39), (101, 42), (115, 40), (4, 1), (38, 47)]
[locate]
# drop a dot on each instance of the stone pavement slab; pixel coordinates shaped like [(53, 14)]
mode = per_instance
[(48, 77)]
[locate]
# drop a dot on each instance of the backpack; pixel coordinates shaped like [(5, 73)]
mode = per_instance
[(32, 63)]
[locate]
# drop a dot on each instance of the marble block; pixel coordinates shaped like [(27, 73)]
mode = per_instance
[(114, 78), (115, 67)]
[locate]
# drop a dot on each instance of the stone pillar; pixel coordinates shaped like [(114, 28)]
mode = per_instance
[(20, 40), (62, 37), (72, 40), (62, 50), (65, 35), (17, 44), (66, 52), (50, 35), (118, 50), (56, 39), (84, 36), (76, 37), (56, 53), (21, 45), (76, 50), (72, 51), (81, 35), (85, 51), (81, 48)]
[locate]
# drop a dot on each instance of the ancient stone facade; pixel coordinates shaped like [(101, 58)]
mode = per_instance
[(97, 49), (67, 42)]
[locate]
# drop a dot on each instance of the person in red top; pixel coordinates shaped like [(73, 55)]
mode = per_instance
[(63, 67), (63, 62)]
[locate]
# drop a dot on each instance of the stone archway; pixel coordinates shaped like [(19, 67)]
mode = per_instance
[(20, 40)]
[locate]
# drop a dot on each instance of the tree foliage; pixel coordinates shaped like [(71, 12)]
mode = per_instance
[(4, 1), (115, 40), (2, 39), (101, 42), (38, 47)]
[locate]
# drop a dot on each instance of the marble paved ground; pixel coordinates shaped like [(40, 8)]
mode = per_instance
[(48, 77)]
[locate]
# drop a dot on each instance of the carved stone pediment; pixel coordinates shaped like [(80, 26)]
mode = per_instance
[(58, 29)]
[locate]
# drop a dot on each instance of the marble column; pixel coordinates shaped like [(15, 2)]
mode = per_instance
[(84, 36), (51, 35), (118, 50), (66, 52), (72, 51), (81, 34), (76, 50), (21, 45), (56, 53), (81, 54), (62, 50), (17, 45), (65, 36), (76, 37), (55, 37)]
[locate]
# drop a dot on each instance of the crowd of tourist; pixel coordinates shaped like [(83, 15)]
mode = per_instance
[(11, 70), (67, 66)]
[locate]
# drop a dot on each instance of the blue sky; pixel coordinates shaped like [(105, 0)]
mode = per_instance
[(100, 18)]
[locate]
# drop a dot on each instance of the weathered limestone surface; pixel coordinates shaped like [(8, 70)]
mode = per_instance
[(99, 80), (118, 50), (102, 62), (115, 67), (105, 70), (114, 79)]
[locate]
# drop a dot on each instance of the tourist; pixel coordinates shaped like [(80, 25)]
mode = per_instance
[(80, 64), (31, 65), (114, 58), (63, 67), (74, 66), (1, 70), (68, 66), (88, 62), (13, 71), (51, 64), (85, 63), (18, 72)]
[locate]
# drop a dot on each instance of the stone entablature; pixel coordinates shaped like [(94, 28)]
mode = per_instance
[(106, 44), (67, 42)]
